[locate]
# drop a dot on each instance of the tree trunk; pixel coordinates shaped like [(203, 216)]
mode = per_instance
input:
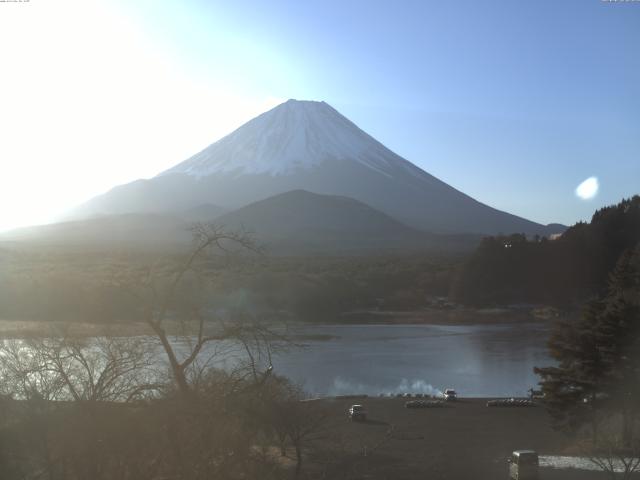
[(176, 369), (594, 421), (298, 459), (627, 427)]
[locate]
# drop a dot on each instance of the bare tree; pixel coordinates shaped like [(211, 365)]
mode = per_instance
[(617, 458), (201, 425), (294, 421), (167, 294), (219, 363), (78, 369), (71, 411)]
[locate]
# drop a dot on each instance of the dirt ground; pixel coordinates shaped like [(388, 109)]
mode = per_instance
[(464, 441)]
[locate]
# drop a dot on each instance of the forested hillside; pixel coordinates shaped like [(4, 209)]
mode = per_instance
[(87, 286), (567, 270)]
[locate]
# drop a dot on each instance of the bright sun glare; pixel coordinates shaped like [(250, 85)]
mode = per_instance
[(588, 189), (88, 102)]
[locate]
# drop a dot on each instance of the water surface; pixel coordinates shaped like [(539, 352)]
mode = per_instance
[(484, 360)]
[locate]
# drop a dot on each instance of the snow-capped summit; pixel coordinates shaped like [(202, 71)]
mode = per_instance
[(303, 145), (295, 135)]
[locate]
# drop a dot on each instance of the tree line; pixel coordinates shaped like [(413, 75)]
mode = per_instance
[(565, 271), (80, 287)]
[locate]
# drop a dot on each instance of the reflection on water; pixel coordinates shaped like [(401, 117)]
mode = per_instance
[(479, 361), (487, 360)]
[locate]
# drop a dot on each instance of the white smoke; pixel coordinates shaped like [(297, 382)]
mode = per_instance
[(345, 387)]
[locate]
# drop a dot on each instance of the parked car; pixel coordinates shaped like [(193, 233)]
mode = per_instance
[(510, 402), (450, 395), (357, 413), (424, 404)]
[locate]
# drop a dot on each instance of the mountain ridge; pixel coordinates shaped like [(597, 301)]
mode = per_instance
[(310, 146), (291, 223)]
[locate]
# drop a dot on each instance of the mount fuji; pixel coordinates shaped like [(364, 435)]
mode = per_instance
[(308, 145)]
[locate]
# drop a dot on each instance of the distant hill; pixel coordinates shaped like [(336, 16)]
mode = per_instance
[(127, 231), (301, 221), (203, 213), (291, 223)]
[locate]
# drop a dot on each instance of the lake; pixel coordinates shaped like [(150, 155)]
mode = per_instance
[(477, 361), (488, 360)]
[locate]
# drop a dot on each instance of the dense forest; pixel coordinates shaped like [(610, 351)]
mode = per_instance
[(86, 286), (564, 271)]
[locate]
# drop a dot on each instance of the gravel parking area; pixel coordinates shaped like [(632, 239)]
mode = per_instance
[(466, 440)]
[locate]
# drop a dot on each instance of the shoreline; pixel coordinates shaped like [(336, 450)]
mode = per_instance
[(463, 316), (452, 316)]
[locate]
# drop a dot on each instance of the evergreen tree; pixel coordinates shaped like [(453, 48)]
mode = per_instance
[(565, 271), (573, 389), (598, 371), (619, 336)]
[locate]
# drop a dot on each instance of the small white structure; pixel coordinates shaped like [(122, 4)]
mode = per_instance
[(523, 465)]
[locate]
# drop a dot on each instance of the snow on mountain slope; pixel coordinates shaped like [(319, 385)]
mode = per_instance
[(297, 135)]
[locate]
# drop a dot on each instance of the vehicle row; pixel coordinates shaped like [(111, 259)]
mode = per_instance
[(448, 394)]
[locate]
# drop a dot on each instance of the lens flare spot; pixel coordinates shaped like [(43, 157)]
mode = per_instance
[(588, 189)]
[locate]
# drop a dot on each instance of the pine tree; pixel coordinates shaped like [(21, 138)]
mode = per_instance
[(619, 334), (574, 388), (598, 371)]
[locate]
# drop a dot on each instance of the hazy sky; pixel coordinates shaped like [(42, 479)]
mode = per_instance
[(514, 103)]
